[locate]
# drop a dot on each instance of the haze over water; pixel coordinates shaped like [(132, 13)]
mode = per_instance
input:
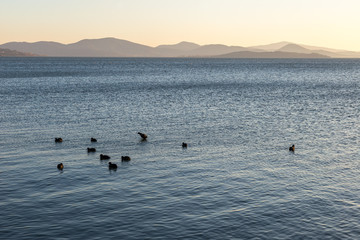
[(236, 179)]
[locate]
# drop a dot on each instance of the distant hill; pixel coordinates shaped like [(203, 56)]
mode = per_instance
[(178, 50), (182, 46), (39, 48), (277, 54), (105, 47), (214, 49), (12, 53), (291, 47), (302, 48), (271, 47), (110, 47), (296, 48), (113, 47)]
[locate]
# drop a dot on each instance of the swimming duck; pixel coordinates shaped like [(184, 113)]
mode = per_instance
[(184, 145), (292, 148), (104, 157), (58, 140), (143, 135), (91, 150), (93, 140), (125, 158), (60, 166), (112, 165)]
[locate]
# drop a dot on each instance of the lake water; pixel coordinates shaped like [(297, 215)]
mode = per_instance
[(235, 180)]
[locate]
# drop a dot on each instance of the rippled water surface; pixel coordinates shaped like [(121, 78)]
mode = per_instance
[(235, 180)]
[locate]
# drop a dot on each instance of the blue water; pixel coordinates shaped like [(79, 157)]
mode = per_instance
[(236, 179)]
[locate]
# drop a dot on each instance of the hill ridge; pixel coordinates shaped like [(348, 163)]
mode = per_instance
[(114, 47)]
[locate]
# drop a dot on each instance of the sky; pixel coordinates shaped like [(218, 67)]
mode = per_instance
[(326, 23)]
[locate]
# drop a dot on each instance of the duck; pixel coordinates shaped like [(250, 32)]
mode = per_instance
[(292, 148), (91, 150), (93, 140), (125, 158), (58, 140), (184, 145), (60, 166), (112, 165), (104, 157), (143, 135)]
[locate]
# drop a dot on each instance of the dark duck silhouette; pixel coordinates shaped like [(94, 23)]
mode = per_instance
[(142, 135), (104, 157), (91, 150), (58, 140), (60, 166), (112, 166), (292, 148), (125, 158), (93, 140), (184, 145)]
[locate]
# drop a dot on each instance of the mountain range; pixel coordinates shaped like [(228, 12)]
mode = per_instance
[(113, 47)]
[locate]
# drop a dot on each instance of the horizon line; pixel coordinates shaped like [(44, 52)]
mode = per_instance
[(251, 46)]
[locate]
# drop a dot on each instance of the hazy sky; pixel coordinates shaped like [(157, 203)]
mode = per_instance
[(328, 23)]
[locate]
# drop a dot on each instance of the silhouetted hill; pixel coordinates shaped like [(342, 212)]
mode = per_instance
[(288, 46), (347, 54), (187, 49), (327, 53), (277, 54), (291, 47), (113, 47), (176, 50), (39, 48), (12, 53), (182, 46), (214, 49), (105, 47), (271, 47), (295, 48), (110, 47)]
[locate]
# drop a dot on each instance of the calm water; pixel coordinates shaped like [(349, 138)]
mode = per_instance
[(236, 179)]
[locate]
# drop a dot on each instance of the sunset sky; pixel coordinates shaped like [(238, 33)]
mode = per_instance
[(327, 23)]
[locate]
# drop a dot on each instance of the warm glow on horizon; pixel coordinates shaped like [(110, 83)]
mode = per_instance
[(327, 23)]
